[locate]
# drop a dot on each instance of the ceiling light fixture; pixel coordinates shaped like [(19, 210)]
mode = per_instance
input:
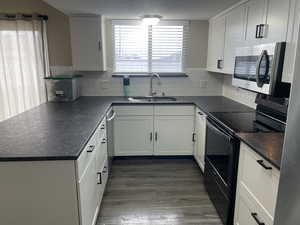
[(150, 20)]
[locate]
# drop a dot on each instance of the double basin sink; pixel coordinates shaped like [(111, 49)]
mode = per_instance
[(152, 99)]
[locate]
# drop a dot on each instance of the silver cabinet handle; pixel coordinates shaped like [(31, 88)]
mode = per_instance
[(151, 136), (112, 117), (156, 136), (91, 148), (103, 141)]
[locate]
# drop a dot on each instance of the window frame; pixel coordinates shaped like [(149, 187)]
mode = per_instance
[(186, 33)]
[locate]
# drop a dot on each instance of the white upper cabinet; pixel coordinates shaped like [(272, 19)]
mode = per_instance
[(88, 42), (249, 23), (234, 36), (292, 41), (215, 57), (277, 19), (256, 16)]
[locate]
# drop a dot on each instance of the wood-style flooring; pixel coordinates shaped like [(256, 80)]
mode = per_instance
[(151, 191)]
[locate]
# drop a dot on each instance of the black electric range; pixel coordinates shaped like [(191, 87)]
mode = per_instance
[(222, 148), (249, 122)]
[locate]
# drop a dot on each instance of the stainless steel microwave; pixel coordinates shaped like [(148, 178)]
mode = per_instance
[(259, 68)]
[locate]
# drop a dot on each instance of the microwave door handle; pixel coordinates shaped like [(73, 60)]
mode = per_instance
[(258, 81)]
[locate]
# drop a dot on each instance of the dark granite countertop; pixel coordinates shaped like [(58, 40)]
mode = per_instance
[(268, 145), (59, 131)]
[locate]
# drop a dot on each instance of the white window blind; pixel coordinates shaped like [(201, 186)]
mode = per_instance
[(144, 49)]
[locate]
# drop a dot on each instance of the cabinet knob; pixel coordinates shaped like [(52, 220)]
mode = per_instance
[(103, 141)]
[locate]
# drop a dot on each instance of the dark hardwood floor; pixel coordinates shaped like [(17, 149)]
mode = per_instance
[(156, 192)]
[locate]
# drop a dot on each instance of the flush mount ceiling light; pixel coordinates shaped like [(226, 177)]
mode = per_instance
[(150, 20)]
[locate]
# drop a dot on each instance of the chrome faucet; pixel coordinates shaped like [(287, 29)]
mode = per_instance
[(153, 75)]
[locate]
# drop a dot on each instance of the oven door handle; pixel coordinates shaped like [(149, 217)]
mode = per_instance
[(219, 131), (264, 54)]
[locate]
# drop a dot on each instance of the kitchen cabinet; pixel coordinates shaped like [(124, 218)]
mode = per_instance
[(250, 23), (215, 57), (234, 36), (88, 42), (133, 135), (292, 42), (257, 188), (200, 136), (256, 15), (87, 192), (154, 130), (173, 135), (65, 192)]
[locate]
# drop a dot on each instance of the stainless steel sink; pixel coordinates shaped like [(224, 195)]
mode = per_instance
[(152, 99)]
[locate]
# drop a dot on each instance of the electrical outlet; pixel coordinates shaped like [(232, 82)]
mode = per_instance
[(203, 83)]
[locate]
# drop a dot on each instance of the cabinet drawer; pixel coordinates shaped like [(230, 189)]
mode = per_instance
[(86, 155), (260, 182), (174, 110), (249, 212), (131, 110)]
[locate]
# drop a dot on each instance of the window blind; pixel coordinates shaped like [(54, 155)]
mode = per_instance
[(145, 49)]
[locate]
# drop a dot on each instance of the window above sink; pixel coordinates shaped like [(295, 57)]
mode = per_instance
[(140, 49)]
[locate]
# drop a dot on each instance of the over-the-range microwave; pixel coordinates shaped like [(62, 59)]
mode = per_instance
[(259, 68)]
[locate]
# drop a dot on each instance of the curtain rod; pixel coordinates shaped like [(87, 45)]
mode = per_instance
[(10, 16)]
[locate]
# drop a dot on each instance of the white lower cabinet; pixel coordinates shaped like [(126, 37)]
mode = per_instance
[(173, 135), (64, 192), (200, 136), (87, 194), (257, 188), (160, 130), (133, 135)]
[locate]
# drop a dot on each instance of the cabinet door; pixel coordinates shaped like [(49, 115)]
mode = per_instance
[(277, 21), (216, 44), (256, 14), (173, 135), (234, 37), (292, 41), (87, 194), (200, 130), (87, 43), (133, 135)]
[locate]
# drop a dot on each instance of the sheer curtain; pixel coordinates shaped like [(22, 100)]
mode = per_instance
[(23, 65)]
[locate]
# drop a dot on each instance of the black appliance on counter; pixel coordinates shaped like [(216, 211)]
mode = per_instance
[(222, 148)]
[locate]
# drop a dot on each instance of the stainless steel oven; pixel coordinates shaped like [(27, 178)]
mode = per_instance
[(259, 68)]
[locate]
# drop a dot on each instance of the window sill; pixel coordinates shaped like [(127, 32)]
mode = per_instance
[(143, 75)]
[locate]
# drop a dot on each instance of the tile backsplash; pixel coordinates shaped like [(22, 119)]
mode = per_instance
[(199, 83), (237, 94)]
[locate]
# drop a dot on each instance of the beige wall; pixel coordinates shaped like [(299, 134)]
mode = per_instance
[(197, 44), (58, 27)]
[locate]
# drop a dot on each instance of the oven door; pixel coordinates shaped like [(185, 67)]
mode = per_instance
[(220, 172), (258, 68)]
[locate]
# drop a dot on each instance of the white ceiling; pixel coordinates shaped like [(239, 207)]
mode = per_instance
[(130, 9)]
